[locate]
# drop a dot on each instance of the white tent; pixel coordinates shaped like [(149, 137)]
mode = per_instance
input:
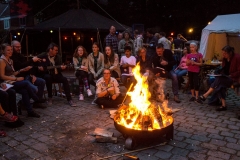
[(223, 30)]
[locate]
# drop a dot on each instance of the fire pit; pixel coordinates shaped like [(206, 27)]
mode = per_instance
[(142, 119)]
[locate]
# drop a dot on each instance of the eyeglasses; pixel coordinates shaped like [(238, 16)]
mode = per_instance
[(106, 73)]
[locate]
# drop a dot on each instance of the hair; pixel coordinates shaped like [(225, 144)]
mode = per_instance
[(195, 44), (149, 30), (229, 50), (76, 55), (136, 32), (95, 43), (51, 46), (157, 35), (188, 49), (106, 69), (160, 45), (111, 27), (162, 34), (179, 35), (127, 48), (4, 46), (129, 36), (14, 41), (141, 48), (111, 58)]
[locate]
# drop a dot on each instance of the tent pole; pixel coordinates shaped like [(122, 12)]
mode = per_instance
[(27, 46), (60, 43)]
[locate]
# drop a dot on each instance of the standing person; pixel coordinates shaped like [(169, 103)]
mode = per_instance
[(194, 61), (182, 68), (138, 41), (178, 43), (111, 62), (80, 62), (164, 59), (51, 58), (127, 63), (166, 43), (108, 92), (112, 40), (21, 86), (126, 41), (19, 62), (151, 43), (231, 75), (95, 64)]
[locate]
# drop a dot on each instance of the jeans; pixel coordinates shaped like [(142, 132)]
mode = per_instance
[(24, 88), (58, 78), (8, 101), (173, 76), (83, 80), (38, 86), (180, 73)]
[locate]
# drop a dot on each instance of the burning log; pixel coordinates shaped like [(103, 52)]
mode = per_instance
[(146, 122), (154, 112), (138, 120)]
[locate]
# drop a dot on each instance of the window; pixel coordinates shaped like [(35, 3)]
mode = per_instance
[(6, 24)]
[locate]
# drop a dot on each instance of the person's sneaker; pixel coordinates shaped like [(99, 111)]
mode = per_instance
[(89, 93), (176, 99), (192, 99), (49, 102), (94, 102), (81, 98), (16, 124), (9, 117), (71, 103), (33, 114), (202, 98), (199, 101)]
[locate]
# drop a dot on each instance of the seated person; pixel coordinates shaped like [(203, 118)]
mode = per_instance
[(111, 62), (108, 93), (181, 69), (19, 62), (51, 58), (164, 59), (127, 63), (231, 74), (144, 61), (95, 64), (80, 62), (21, 86)]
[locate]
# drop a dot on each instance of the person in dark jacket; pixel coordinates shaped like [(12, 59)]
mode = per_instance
[(51, 58), (163, 66), (19, 62)]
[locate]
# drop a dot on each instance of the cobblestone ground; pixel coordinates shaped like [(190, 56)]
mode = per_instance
[(63, 132)]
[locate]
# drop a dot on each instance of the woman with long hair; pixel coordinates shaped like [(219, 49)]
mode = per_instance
[(21, 86), (95, 64), (81, 67), (111, 62)]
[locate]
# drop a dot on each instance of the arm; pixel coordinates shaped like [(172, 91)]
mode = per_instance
[(75, 63), (116, 63), (90, 66), (20, 62), (2, 72), (120, 47), (103, 93)]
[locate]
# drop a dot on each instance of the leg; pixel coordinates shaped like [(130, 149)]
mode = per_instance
[(196, 83), (48, 80), (12, 101), (91, 79), (124, 80), (173, 76), (191, 83), (60, 79), (40, 83), (114, 74), (102, 101)]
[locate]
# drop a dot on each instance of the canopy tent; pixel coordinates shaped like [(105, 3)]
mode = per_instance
[(83, 19), (223, 30)]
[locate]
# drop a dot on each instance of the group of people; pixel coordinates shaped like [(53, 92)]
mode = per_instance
[(103, 71)]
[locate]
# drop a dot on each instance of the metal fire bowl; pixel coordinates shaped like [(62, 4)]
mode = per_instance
[(140, 134)]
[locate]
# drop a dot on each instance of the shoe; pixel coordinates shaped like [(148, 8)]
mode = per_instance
[(81, 98), (3, 133), (102, 106), (176, 99), (192, 99), (9, 117), (89, 93), (222, 108), (15, 124), (202, 98), (199, 101), (71, 103), (49, 102), (33, 114)]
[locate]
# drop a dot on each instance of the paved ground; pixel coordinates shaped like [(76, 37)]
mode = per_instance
[(63, 132)]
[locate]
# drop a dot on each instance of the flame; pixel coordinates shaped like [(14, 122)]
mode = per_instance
[(141, 112)]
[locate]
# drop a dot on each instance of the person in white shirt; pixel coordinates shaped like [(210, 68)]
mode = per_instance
[(166, 43), (127, 63)]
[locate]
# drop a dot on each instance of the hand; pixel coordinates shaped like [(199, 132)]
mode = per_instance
[(20, 79), (114, 97), (164, 63), (36, 59), (110, 89), (125, 65), (3, 85), (34, 78), (40, 68), (83, 67), (26, 68), (192, 62), (63, 67)]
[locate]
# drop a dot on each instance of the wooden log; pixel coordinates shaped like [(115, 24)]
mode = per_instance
[(103, 139), (102, 132), (153, 110)]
